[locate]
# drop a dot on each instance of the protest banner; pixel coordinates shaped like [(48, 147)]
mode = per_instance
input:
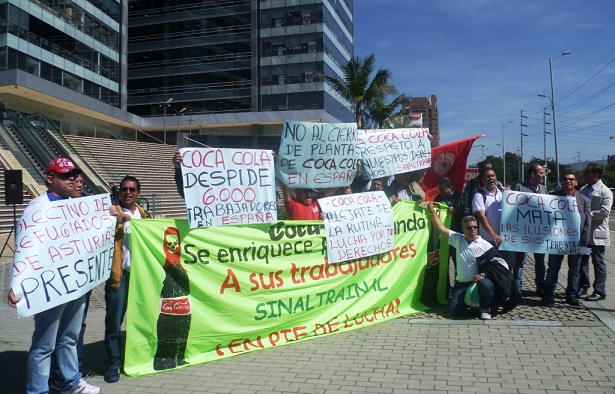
[(540, 223), (205, 294), (316, 155), (63, 249), (228, 186), (357, 225), (447, 160), (393, 151)]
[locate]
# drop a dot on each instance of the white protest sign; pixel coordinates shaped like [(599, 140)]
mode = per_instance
[(357, 225), (540, 223), (316, 155), (228, 186), (389, 152), (63, 249)]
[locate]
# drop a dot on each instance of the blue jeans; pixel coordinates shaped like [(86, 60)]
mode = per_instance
[(597, 256), (485, 291), (555, 263), (55, 371), (56, 332), (116, 309), (539, 265)]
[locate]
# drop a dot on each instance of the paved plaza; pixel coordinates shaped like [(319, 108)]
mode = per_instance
[(533, 349)]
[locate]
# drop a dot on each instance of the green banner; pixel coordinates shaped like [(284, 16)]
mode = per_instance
[(205, 294)]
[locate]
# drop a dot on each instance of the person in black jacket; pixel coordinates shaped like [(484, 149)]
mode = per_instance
[(452, 198), (179, 181)]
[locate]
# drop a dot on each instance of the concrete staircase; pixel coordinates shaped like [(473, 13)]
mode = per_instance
[(150, 163)]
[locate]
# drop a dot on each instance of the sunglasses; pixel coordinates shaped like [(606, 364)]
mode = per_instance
[(471, 227), (569, 179), (128, 189), (65, 176)]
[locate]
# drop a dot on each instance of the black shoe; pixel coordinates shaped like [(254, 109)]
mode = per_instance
[(546, 302), (573, 301), (540, 293), (582, 292), (112, 375), (595, 297)]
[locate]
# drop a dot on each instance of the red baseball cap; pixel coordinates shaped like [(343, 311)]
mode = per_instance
[(62, 165)]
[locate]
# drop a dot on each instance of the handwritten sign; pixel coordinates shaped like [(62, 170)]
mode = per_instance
[(315, 155), (357, 225), (540, 223), (394, 151), (228, 186), (63, 249)]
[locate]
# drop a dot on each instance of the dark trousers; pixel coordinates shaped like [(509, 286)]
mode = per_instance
[(116, 310), (597, 257), (555, 263), (486, 291)]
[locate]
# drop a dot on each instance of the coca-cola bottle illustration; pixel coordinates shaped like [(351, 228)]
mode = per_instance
[(175, 314)]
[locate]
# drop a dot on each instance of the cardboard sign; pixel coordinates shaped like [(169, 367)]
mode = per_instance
[(63, 249), (316, 155), (540, 223), (357, 225), (228, 186), (394, 151)]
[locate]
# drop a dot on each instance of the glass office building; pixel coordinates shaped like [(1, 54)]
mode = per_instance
[(72, 43), (237, 56), (299, 42)]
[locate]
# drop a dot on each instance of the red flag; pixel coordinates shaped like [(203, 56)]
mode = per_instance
[(449, 160)]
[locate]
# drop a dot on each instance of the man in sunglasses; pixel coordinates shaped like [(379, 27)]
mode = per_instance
[(569, 184), (468, 246), (56, 330), (116, 288)]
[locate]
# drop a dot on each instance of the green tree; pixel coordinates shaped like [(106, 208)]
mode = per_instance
[(383, 115), (357, 88)]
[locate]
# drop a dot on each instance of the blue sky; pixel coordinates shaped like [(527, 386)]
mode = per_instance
[(487, 60)]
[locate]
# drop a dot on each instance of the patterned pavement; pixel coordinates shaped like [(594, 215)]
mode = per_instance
[(533, 349)]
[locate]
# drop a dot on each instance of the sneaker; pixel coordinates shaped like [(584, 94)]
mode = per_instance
[(573, 301), (595, 297), (485, 315), (83, 388), (112, 375)]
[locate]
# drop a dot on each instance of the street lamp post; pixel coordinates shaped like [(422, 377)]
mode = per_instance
[(552, 98), (191, 120), (177, 113), (504, 155), (164, 118)]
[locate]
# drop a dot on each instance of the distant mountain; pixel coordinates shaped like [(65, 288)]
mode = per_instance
[(578, 166)]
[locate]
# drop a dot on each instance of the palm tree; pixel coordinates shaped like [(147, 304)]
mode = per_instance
[(357, 88), (385, 115)]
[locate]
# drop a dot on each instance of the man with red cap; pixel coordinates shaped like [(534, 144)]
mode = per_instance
[(56, 330)]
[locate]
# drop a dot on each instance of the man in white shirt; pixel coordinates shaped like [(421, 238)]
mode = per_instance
[(487, 207), (469, 246)]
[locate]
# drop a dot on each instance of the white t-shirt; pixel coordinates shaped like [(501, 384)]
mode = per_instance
[(125, 249), (467, 252), (492, 205)]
